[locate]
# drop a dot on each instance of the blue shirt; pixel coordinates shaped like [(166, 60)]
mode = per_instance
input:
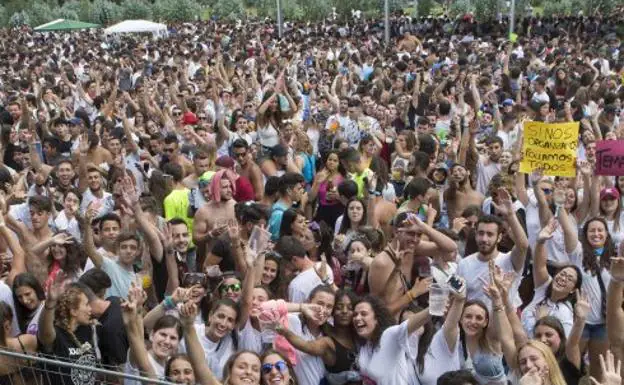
[(275, 221)]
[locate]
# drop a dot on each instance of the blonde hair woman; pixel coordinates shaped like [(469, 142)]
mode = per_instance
[(538, 365)]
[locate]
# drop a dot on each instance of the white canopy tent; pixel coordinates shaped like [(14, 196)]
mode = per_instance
[(137, 26)]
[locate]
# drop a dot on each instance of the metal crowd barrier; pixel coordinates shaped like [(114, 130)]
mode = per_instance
[(42, 369)]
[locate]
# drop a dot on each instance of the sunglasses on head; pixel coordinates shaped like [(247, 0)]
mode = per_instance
[(235, 287), (281, 366)]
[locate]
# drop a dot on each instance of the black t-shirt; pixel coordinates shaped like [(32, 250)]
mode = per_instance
[(65, 348), (570, 373), (112, 338), (160, 275)]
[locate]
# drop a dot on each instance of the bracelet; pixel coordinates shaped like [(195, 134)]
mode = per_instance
[(498, 309), (168, 303), (409, 295), (50, 307)]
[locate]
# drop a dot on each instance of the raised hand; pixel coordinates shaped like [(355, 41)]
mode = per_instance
[(421, 286), (62, 239), (505, 208), (610, 370), (458, 224), (312, 311), (188, 313), (323, 270), (581, 308), (57, 287), (617, 268), (547, 232)]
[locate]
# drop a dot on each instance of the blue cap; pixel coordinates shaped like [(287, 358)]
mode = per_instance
[(508, 102)]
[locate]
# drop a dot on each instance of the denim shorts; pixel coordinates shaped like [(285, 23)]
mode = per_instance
[(595, 332)]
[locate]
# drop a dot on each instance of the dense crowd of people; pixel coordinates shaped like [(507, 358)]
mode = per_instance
[(220, 206)]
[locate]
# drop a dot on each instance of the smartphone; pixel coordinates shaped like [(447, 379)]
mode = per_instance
[(259, 239), (192, 279), (456, 283)]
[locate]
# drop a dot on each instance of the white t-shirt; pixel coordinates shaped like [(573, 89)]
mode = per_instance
[(392, 362), (302, 285), (217, 353), (159, 370), (250, 338), (563, 311), (591, 287), (485, 173), (6, 296), (475, 272), (309, 369), (438, 360)]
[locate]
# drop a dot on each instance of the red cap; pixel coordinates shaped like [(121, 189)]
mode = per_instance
[(609, 192), (189, 118)]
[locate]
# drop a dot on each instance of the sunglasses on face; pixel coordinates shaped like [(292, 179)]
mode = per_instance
[(547, 191), (177, 113), (235, 287), (279, 365), (240, 154)]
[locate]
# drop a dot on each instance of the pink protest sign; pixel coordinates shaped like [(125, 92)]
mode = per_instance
[(610, 157)]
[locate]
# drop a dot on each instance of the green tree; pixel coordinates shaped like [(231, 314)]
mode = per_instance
[(105, 12), (136, 9), (4, 16), (315, 10), (176, 10), (460, 7), (485, 9), (40, 13), (19, 19), (229, 9)]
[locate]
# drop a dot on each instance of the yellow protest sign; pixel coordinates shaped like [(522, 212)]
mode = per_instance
[(550, 147)]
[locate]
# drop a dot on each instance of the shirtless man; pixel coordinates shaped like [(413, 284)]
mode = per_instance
[(202, 162), (172, 150), (398, 287), (248, 168), (213, 218), (460, 193)]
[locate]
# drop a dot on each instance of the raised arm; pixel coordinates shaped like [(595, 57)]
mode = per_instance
[(572, 348), (583, 209), (88, 241), (540, 272), (248, 285), (570, 233), (46, 332), (521, 243), (615, 313), (18, 265), (131, 198), (133, 323), (451, 323), (415, 321), (321, 347), (188, 313), (520, 187), (502, 329)]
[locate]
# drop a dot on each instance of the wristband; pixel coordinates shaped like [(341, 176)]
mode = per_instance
[(168, 303)]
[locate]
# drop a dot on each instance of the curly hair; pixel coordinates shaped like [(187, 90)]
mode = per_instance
[(590, 260), (69, 300), (382, 314)]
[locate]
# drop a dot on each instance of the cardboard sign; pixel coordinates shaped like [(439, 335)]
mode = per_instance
[(550, 147), (610, 157)]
